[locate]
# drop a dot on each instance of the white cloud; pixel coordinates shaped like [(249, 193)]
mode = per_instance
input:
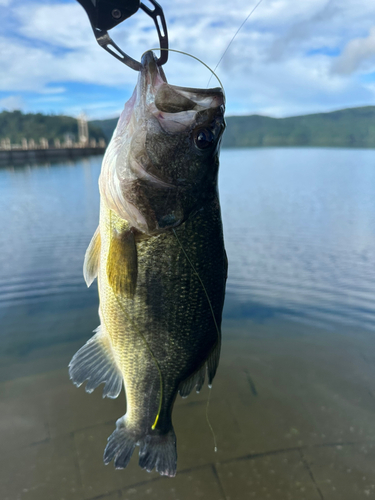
[(63, 25), (42, 68), (279, 61), (358, 54), (53, 90), (96, 110)]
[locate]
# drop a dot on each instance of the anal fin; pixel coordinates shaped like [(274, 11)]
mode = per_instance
[(213, 362), (197, 379), (95, 363)]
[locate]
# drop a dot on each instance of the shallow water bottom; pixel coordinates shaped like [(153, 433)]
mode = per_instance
[(292, 408)]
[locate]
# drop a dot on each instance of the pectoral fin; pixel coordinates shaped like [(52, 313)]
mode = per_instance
[(92, 257), (122, 263)]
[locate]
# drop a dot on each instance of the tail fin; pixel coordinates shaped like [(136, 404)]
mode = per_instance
[(95, 363), (120, 446), (156, 450), (159, 451)]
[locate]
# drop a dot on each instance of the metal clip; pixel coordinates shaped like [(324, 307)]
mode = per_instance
[(106, 14)]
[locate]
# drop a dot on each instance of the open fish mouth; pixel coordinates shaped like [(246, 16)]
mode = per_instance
[(151, 75), (165, 100)]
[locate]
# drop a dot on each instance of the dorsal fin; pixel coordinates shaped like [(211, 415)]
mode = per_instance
[(92, 257)]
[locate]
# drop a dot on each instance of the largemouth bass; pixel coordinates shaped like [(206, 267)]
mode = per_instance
[(159, 257)]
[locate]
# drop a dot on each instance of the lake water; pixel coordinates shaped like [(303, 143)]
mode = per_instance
[(293, 403)]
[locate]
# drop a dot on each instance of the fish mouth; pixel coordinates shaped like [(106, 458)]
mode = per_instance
[(152, 76), (172, 99)]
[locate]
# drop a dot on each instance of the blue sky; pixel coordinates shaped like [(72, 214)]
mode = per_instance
[(290, 57)]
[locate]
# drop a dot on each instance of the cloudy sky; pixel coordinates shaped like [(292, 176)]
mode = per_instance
[(289, 58)]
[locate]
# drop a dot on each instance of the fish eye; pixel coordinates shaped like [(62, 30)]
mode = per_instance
[(204, 138)]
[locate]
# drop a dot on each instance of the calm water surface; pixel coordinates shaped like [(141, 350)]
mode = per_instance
[(299, 230), (293, 403), (300, 233)]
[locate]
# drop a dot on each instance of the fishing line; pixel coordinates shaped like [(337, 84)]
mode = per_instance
[(209, 423), (201, 282), (234, 36), (193, 57), (144, 340), (216, 326)]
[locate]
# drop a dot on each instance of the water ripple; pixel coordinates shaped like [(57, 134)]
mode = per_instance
[(299, 228)]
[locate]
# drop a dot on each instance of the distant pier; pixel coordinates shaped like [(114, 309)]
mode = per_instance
[(18, 154), (42, 150)]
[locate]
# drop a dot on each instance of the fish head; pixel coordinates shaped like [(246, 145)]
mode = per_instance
[(162, 163)]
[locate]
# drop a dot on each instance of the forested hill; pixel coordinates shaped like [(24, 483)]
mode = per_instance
[(16, 125), (353, 127)]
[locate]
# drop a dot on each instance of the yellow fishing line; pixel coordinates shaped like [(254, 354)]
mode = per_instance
[(193, 57)]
